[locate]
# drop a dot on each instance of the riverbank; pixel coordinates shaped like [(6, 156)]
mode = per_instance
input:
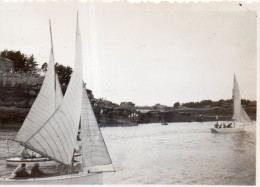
[(16, 102)]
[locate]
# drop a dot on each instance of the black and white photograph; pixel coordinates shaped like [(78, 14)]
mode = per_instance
[(128, 92)]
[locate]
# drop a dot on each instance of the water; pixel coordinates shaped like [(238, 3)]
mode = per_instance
[(180, 153)]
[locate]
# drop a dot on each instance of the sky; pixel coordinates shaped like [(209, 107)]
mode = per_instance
[(146, 53)]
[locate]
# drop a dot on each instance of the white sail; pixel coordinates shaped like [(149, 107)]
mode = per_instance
[(94, 150), (43, 106), (46, 102), (58, 92), (244, 118), (239, 113), (57, 137)]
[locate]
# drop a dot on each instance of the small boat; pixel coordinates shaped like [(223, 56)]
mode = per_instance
[(43, 161), (164, 122), (240, 117), (228, 130), (56, 138)]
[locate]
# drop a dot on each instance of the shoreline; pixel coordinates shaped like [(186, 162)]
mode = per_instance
[(16, 127)]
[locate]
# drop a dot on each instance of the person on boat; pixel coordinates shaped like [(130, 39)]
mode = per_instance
[(20, 172), (36, 172), (229, 125), (220, 126), (224, 125), (24, 153), (35, 155), (216, 125)]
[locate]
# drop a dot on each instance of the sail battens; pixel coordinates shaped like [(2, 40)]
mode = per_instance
[(40, 152), (68, 138), (69, 117), (49, 144), (65, 144), (41, 147), (59, 118), (36, 119), (56, 144), (32, 148), (63, 124)]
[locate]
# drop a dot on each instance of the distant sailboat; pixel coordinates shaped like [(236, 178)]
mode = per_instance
[(240, 117), (46, 102), (57, 138), (163, 121)]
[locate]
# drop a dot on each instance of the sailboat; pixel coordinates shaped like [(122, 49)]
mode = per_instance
[(48, 99), (57, 138), (240, 117), (163, 121)]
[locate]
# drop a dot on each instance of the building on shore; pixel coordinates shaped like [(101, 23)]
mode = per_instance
[(6, 65)]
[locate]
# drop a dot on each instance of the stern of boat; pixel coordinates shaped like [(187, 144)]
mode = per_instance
[(213, 130), (79, 178)]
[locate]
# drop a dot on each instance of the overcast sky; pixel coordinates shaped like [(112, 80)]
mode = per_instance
[(145, 53)]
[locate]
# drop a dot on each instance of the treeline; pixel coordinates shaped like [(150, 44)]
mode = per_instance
[(21, 61), (210, 103), (28, 64)]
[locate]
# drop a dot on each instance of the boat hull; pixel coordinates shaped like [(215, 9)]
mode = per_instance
[(164, 123), (227, 130), (44, 162), (79, 178)]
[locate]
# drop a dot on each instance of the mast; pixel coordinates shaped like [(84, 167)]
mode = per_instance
[(53, 57), (51, 38)]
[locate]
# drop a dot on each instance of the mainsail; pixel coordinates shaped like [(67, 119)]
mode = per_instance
[(58, 93), (56, 139), (47, 100), (94, 150), (239, 113), (42, 108)]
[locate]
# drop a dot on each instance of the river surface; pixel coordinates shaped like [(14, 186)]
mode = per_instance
[(180, 153)]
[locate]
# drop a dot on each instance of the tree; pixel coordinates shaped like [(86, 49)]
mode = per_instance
[(31, 65), (64, 73), (44, 67), (21, 61), (176, 105)]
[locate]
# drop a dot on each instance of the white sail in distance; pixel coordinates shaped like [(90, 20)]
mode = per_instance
[(239, 113), (94, 150), (56, 139)]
